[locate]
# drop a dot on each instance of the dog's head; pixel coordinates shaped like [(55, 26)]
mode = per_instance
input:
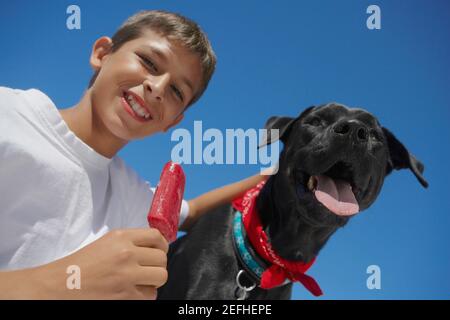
[(332, 166)]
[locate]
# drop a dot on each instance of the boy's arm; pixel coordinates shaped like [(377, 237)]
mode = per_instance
[(217, 197), (19, 284)]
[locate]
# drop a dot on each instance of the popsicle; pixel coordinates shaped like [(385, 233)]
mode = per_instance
[(164, 213)]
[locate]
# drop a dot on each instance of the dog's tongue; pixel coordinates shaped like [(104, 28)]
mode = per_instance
[(336, 195)]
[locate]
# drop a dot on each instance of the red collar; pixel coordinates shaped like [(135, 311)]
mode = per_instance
[(281, 269)]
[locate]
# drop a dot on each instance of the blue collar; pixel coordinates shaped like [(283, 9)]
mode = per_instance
[(251, 262)]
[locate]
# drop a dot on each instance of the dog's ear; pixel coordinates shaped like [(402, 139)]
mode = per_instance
[(283, 124), (401, 158)]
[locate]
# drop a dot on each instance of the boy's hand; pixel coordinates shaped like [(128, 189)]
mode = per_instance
[(123, 264)]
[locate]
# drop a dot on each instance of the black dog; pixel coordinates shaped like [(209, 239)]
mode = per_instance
[(333, 164)]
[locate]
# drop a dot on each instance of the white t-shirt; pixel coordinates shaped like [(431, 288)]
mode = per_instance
[(56, 193)]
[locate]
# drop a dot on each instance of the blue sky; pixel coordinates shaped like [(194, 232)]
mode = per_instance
[(277, 58)]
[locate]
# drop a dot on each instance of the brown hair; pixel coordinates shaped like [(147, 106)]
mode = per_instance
[(175, 27)]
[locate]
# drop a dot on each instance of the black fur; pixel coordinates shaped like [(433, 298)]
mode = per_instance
[(331, 139)]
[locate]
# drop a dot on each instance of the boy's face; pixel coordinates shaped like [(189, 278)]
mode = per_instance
[(144, 86)]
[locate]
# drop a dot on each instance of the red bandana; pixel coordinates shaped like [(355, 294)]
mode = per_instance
[(281, 269)]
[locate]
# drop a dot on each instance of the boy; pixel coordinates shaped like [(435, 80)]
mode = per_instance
[(67, 199)]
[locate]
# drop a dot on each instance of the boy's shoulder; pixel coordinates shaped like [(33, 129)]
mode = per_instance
[(18, 100), (9, 91), (6, 92), (8, 95)]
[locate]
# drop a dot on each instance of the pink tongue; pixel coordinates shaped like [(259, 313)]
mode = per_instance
[(336, 195)]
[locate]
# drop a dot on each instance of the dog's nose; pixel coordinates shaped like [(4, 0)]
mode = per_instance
[(353, 128)]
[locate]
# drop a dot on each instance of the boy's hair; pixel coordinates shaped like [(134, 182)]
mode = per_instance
[(175, 27)]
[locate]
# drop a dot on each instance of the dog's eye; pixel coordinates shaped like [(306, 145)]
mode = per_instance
[(375, 135), (314, 121)]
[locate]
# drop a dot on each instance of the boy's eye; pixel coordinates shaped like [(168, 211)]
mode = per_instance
[(178, 93), (149, 63)]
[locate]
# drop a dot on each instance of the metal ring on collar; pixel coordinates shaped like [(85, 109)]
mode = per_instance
[(238, 282)]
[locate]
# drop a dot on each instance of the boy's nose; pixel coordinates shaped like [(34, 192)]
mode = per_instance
[(156, 86)]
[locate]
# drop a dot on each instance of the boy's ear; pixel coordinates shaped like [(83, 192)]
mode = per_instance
[(175, 122), (401, 158), (100, 49)]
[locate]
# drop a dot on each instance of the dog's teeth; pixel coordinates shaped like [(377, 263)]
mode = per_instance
[(311, 183)]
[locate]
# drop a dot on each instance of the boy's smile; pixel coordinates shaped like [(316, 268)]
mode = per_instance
[(136, 107), (141, 89)]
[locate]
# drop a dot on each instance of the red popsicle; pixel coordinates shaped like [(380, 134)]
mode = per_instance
[(164, 213)]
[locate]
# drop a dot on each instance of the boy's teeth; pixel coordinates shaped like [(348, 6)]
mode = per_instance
[(137, 108)]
